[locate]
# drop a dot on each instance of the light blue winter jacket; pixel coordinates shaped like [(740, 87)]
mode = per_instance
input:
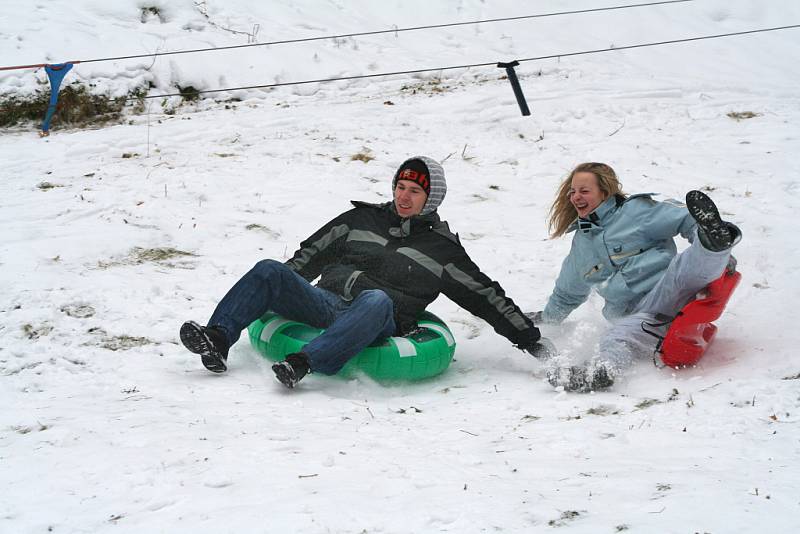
[(622, 248)]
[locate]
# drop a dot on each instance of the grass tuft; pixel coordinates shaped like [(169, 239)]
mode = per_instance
[(364, 156), (742, 115), (77, 106)]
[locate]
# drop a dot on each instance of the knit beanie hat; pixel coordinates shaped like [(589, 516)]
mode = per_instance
[(415, 170), (428, 174)]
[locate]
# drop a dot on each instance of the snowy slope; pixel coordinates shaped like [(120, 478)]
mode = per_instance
[(109, 425)]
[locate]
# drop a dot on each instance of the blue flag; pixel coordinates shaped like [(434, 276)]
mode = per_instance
[(55, 73)]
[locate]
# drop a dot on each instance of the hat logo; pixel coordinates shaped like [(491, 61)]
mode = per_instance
[(414, 176)]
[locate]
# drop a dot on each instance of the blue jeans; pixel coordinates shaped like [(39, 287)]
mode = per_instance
[(272, 286)]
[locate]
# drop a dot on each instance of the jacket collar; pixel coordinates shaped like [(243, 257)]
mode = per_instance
[(601, 215), (605, 209), (404, 227), (595, 220)]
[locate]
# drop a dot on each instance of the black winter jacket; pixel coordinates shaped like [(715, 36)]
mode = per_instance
[(412, 260)]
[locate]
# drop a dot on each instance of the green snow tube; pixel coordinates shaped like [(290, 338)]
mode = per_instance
[(420, 355)]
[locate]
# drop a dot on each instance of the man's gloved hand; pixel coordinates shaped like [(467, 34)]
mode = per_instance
[(536, 317), (541, 350)]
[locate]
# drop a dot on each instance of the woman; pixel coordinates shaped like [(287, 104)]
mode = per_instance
[(623, 247)]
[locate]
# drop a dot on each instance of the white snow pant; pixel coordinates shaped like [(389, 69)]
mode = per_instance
[(688, 272)]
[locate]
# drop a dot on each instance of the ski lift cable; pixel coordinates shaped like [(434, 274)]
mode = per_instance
[(472, 65), (357, 34)]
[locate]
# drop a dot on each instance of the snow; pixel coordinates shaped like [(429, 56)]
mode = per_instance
[(110, 425)]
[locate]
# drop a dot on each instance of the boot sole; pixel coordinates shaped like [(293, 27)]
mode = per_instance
[(196, 341), (703, 209), (284, 375), (705, 212)]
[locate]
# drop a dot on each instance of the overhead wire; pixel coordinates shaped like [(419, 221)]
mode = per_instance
[(471, 65), (356, 34)]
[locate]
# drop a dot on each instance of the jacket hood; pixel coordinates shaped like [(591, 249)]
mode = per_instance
[(438, 184)]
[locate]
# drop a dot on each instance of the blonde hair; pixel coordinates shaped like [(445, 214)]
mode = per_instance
[(563, 213)]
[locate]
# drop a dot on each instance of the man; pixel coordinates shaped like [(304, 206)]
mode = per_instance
[(379, 265)]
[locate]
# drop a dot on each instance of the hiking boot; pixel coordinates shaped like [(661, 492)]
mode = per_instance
[(570, 378), (602, 378), (714, 233), (291, 370), (209, 342), (577, 379)]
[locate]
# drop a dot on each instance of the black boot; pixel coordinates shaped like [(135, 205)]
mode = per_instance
[(209, 342), (602, 378), (577, 379), (291, 370), (570, 378), (714, 233)]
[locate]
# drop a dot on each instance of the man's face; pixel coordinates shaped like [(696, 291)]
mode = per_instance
[(409, 198)]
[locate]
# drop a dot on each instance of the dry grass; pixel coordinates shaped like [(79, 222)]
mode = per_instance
[(163, 256), (77, 106), (362, 156), (742, 115)]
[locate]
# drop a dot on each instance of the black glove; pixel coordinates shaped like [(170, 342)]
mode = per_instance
[(536, 317), (543, 349), (405, 326)]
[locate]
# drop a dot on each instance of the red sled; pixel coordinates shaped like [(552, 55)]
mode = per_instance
[(691, 332)]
